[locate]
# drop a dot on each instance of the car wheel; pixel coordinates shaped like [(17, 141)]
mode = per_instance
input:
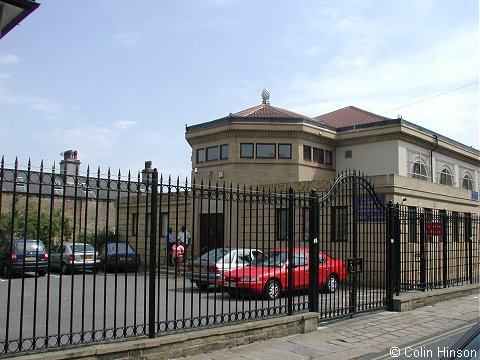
[(331, 284), (63, 268), (272, 289), (202, 286), (41, 273)]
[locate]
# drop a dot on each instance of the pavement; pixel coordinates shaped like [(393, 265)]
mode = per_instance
[(423, 333)]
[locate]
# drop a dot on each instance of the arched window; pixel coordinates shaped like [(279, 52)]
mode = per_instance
[(446, 177), (419, 170), (467, 182)]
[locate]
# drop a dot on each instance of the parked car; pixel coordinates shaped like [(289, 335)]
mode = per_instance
[(70, 257), (205, 270), (22, 256), (120, 256), (270, 277)]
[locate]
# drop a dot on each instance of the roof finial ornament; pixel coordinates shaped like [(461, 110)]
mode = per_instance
[(265, 97)]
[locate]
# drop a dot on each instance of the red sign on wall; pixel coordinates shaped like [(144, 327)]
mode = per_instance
[(434, 228)]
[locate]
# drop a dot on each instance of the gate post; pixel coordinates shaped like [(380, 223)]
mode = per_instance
[(313, 253), (153, 247), (290, 252), (423, 258), (390, 255), (443, 218), (469, 244)]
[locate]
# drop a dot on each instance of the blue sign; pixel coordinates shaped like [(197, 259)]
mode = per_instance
[(368, 209), (475, 195)]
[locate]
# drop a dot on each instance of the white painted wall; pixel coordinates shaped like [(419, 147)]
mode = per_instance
[(377, 158)]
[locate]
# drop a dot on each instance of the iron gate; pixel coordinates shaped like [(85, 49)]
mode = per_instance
[(354, 224)]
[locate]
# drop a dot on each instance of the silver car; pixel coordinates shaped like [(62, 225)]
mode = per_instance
[(70, 257), (206, 269)]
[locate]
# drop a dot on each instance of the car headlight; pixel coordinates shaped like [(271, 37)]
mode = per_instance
[(249, 279)]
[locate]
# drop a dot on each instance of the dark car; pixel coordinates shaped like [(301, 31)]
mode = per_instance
[(69, 257), (120, 256), (22, 256), (270, 277)]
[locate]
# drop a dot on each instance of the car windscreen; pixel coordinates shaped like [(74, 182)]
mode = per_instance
[(79, 248), (119, 247), (29, 246), (274, 259), (214, 255)]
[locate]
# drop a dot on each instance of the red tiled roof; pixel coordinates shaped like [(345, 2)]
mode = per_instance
[(349, 116), (268, 111)]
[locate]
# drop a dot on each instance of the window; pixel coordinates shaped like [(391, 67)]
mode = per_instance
[(163, 224), (467, 182), (266, 151), (200, 155), (419, 170), (306, 224), (339, 223), (134, 224), (282, 224), (223, 152), (299, 259), (328, 157), (318, 155), (348, 154), (212, 153), (455, 226), (428, 219), (412, 224), (467, 225), (246, 150), (284, 151), (307, 153), (446, 177)]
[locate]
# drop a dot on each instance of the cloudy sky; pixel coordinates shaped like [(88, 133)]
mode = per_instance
[(119, 80)]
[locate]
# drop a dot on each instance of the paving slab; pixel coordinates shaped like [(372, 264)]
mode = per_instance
[(362, 336)]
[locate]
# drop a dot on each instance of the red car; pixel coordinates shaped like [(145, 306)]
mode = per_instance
[(270, 277)]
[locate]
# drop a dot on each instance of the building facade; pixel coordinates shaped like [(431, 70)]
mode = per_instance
[(267, 145)]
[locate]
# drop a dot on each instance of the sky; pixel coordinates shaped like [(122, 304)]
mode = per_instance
[(119, 80)]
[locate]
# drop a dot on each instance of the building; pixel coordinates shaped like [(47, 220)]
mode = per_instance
[(268, 145), (12, 12)]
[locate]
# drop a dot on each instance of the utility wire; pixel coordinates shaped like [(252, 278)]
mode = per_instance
[(431, 97)]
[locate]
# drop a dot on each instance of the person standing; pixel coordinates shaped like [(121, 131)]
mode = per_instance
[(169, 242), (177, 255), (184, 237)]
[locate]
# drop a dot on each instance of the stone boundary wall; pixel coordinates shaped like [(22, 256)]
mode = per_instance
[(187, 342)]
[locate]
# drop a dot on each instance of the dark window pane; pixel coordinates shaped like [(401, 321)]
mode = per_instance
[(307, 153), (318, 155), (212, 153), (284, 151), (266, 151), (200, 155), (328, 157), (339, 223), (246, 150), (223, 152)]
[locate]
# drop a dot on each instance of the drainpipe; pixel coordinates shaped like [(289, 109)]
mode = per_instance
[(431, 157)]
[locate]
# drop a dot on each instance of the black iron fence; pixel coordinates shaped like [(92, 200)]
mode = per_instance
[(86, 259), (437, 249)]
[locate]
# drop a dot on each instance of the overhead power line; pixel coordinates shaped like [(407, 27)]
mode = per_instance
[(431, 97)]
